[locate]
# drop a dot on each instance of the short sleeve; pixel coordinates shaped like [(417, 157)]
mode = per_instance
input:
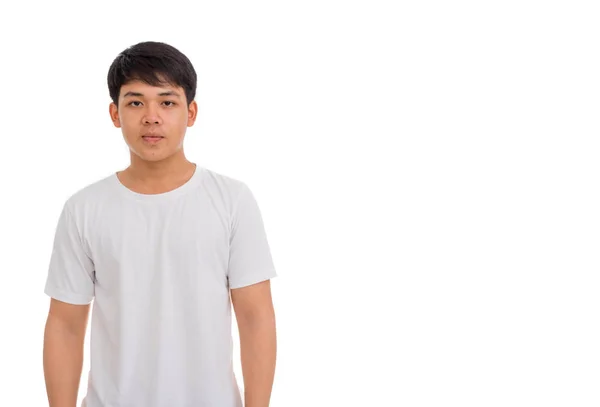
[(250, 259), (71, 273)]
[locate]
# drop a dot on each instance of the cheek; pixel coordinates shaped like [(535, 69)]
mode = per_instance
[(180, 119), (129, 130), (130, 122), (177, 123)]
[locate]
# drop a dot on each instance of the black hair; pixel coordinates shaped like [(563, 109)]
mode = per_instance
[(154, 63)]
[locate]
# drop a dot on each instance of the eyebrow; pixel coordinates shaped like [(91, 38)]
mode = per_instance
[(138, 94)]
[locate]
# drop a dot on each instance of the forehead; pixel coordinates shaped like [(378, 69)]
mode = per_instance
[(139, 88)]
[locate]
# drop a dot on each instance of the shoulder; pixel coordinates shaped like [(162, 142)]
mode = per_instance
[(91, 195), (227, 187)]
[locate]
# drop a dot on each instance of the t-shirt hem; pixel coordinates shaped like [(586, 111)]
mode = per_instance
[(254, 280), (76, 299)]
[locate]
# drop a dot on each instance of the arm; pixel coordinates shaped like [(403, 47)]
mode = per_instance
[(258, 345), (63, 351)]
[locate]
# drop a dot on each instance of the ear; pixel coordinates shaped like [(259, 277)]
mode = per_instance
[(192, 113), (114, 114)]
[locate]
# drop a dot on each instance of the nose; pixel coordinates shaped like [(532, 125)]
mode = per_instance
[(151, 116)]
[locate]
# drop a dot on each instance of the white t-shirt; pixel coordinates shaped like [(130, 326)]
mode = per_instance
[(158, 269)]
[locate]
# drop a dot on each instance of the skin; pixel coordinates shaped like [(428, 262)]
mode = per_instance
[(163, 110), (64, 336), (159, 168), (255, 317)]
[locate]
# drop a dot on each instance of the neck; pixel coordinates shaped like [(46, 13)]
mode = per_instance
[(158, 172)]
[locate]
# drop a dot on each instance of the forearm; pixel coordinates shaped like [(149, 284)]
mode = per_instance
[(258, 349), (63, 363)]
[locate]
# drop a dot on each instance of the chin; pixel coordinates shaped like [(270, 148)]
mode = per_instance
[(150, 156), (154, 157)]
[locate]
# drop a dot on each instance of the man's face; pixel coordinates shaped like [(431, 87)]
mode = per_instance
[(145, 111)]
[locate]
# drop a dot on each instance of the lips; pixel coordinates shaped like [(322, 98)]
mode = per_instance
[(152, 138)]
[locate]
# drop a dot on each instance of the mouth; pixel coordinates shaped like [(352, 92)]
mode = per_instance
[(152, 139)]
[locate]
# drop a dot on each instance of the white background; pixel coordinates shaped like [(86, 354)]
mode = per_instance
[(427, 173)]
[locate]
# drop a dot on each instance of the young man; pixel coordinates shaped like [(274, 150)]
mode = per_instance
[(164, 248)]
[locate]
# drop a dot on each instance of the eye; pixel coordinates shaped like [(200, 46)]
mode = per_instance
[(171, 103), (132, 103)]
